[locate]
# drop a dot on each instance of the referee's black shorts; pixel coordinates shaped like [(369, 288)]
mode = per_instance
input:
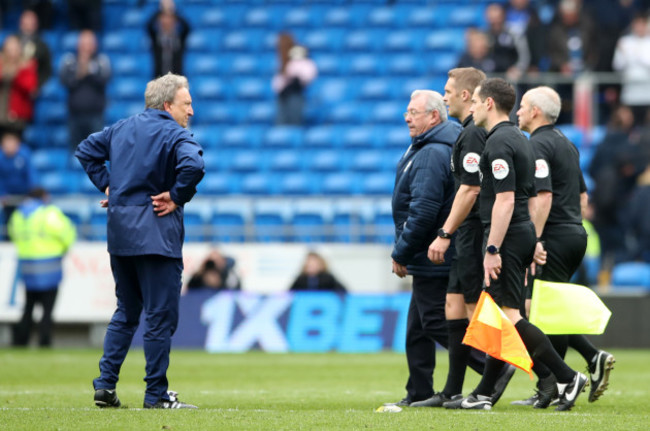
[(517, 251), (466, 274), (565, 246)]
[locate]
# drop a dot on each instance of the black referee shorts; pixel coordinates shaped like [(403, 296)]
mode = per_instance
[(517, 253), (466, 273), (565, 246)]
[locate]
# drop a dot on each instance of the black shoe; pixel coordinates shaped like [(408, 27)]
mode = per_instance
[(502, 382), (546, 392), (472, 402), (404, 402), (569, 394), (106, 398), (171, 403), (528, 401), (599, 374), (436, 400)]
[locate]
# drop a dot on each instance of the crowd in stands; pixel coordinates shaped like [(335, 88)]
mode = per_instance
[(58, 50)]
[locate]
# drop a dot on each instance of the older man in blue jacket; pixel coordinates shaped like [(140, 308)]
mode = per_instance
[(422, 198), (155, 166)]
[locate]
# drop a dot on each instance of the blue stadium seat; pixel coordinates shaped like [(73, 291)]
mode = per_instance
[(119, 110), (195, 227), (127, 89), (303, 17), (204, 64), (216, 161), (328, 64), (403, 41), (247, 89), (262, 17), (586, 155), (210, 88), (383, 224), (216, 17), (326, 161), (50, 112), (408, 86), (405, 65), (362, 40), (348, 221), (270, 221), (426, 17), (50, 159), (219, 183), (367, 161), (216, 113), (248, 41), (204, 40), (397, 137), (36, 136), (366, 65), (340, 183), (60, 137), (332, 90), (136, 17), (352, 114), (69, 41), (323, 40), (286, 160), (360, 137), (245, 161), (323, 137), (259, 184), (53, 91), (97, 225), (262, 113), (124, 41), (134, 65), (253, 65), (283, 137), (242, 137), (631, 275), (466, 16), (298, 183), (338, 17), (573, 134), (443, 63), (229, 221), (445, 40), (309, 223), (54, 182), (377, 89), (380, 183), (388, 113), (385, 17)]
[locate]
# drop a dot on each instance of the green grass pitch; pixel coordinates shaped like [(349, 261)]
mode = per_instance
[(52, 390)]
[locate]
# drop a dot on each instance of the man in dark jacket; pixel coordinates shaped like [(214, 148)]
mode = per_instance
[(168, 32), (155, 166), (424, 192)]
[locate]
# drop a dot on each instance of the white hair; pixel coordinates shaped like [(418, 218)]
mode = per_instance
[(547, 100), (433, 102)]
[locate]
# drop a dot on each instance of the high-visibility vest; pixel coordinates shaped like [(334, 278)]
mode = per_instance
[(42, 236)]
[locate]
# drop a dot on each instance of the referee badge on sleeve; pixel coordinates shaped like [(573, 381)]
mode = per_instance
[(500, 169), (541, 168), (470, 162)]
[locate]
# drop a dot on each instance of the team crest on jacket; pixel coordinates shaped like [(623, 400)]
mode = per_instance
[(541, 168), (500, 169), (470, 162)]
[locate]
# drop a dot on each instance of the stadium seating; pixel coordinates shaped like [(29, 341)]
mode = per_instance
[(631, 275)]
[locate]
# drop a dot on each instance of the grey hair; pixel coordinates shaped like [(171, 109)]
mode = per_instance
[(163, 89), (433, 102), (547, 100)]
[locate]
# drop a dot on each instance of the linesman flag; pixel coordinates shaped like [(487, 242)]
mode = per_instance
[(491, 332), (566, 308)]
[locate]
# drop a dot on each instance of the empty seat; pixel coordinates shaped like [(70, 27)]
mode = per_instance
[(124, 41), (203, 64), (220, 183), (135, 17), (59, 182), (443, 63), (383, 224), (303, 17), (367, 161), (380, 183), (131, 65), (262, 113), (215, 17), (211, 88), (203, 40), (283, 136), (387, 113), (195, 227), (97, 226), (251, 65), (340, 183), (573, 134), (334, 90), (631, 275), (270, 221), (403, 41), (127, 89), (286, 161), (384, 17), (244, 137), (262, 17), (466, 16), (216, 113), (377, 89), (50, 113), (249, 41), (323, 137), (349, 221), (53, 91), (298, 183), (359, 137), (50, 159), (230, 220), (328, 65), (323, 40), (366, 65), (405, 65), (447, 40), (245, 161), (251, 89), (361, 41), (119, 110), (259, 184)]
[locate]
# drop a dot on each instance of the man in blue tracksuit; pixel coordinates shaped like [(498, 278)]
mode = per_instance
[(155, 166), (422, 198)]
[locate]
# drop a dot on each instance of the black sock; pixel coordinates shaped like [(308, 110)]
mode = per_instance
[(490, 376), (458, 355), (541, 349), (584, 347), (541, 370), (560, 344)]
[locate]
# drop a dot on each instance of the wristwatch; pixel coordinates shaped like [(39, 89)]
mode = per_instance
[(492, 249), (443, 234)]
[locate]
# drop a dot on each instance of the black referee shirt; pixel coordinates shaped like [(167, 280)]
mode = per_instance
[(465, 158), (557, 170), (507, 165)]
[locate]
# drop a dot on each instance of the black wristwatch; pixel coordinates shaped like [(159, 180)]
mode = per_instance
[(443, 234), (492, 249)]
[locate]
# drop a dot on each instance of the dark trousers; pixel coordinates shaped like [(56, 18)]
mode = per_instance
[(426, 325), (151, 283), (23, 329)]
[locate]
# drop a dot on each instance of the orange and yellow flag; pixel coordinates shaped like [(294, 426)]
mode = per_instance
[(491, 332)]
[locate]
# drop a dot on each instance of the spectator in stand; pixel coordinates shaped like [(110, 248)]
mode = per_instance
[(18, 84), (523, 21), (509, 51), (572, 40), (17, 175), (85, 14), (476, 54), (614, 168), (85, 76), (34, 47), (296, 72), (216, 272), (40, 258), (168, 32), (632, 59), (315, 276), (638, 219)]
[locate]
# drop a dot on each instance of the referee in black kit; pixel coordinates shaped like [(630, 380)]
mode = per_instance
[(562, 240), (466, 273), (507, 168)]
